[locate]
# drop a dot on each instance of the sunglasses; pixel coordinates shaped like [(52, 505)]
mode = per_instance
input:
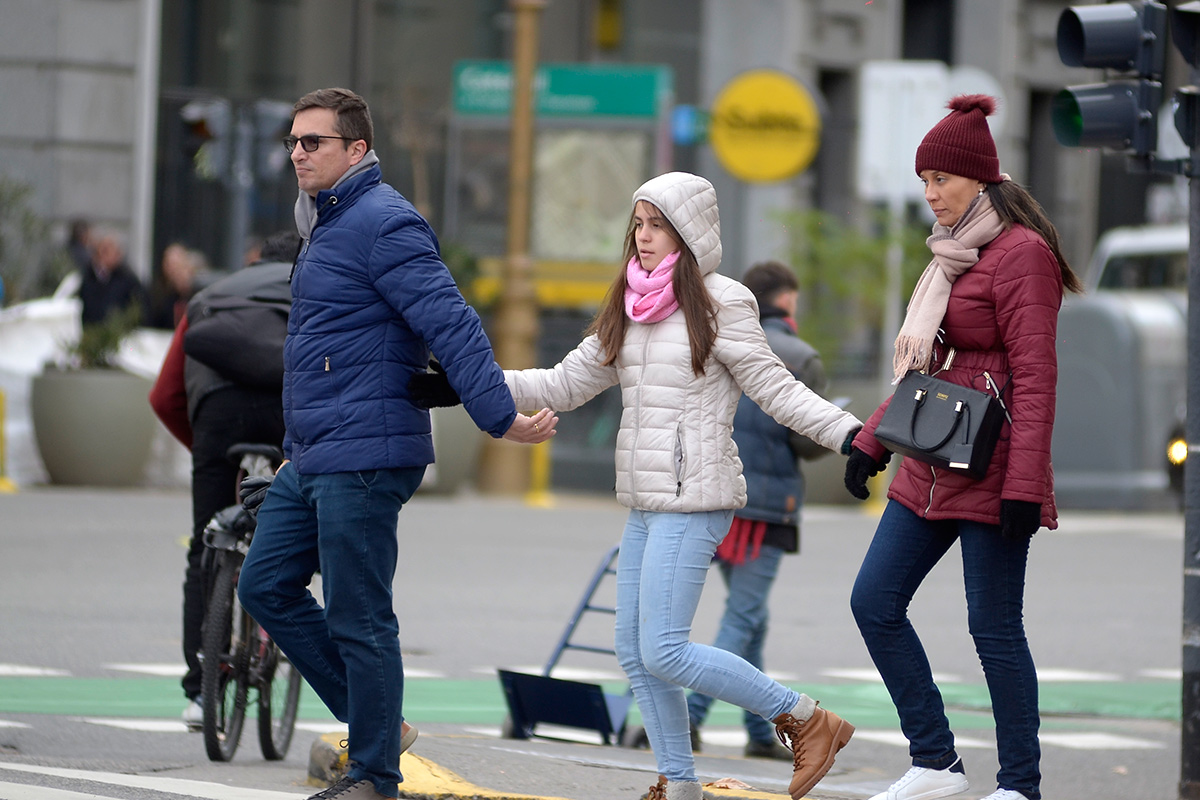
[(310, 141)]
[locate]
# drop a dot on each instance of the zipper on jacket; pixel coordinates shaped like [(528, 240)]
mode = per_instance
[(932, 486), (678, 460), (327, 364)]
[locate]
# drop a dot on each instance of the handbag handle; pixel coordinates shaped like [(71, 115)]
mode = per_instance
[(959, 407)]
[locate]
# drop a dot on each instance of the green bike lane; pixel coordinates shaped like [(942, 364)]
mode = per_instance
[(480, 702)]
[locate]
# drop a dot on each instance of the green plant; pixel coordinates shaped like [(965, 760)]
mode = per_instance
[(31, 264), (99, 344), (464, 268), (842, 272)]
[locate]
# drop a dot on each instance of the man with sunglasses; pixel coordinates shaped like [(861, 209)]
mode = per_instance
[(370, 299)]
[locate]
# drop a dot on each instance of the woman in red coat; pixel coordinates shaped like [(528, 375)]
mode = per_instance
[(992, 293)]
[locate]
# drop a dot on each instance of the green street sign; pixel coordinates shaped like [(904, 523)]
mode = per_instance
[(564, 90)]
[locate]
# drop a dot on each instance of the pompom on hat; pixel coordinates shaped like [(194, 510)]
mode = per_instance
[(961, 144)]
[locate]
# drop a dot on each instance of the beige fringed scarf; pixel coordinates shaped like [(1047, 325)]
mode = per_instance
[(955, 250)]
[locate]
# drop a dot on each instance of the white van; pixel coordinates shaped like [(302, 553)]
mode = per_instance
[(1122, 358), (1142, 257)]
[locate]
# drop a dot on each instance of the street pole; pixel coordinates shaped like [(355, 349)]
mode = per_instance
[(1189, 778), (505, 467)]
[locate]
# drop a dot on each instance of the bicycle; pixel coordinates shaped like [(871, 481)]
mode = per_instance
[(237, 654)]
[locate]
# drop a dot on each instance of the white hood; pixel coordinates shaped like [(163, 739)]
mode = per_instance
[(690, 203)]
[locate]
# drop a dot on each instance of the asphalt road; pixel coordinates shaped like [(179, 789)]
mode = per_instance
[(89, 652)]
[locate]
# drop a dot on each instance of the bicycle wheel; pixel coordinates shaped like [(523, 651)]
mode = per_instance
[(224, 670), (278, 699)]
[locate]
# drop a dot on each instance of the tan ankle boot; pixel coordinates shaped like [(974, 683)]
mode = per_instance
[(814, 744)]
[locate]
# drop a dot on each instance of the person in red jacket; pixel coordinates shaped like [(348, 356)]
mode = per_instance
[(992, 294), (207, 411)]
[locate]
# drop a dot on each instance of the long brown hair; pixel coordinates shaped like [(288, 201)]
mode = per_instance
[(1016, 206), (699, 310)]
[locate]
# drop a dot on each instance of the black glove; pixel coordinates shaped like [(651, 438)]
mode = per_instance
[(252, 491), (432, 389), (1019, 519), (860, 467)]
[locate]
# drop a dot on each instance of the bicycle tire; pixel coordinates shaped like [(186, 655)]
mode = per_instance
[(278, 683), (224, 669)]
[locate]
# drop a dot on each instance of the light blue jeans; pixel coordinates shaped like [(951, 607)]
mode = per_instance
[(744, 629), (663, 562)]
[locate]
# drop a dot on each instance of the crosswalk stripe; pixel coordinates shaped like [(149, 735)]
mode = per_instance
[(563, 673), (188, 788), (22, 671), (1052, 675), (135, 724), (1094, 740), (870, 675), (162, 670), (25, 791), (1162, 674)]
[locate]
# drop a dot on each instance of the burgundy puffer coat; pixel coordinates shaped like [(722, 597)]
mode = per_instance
[(1002, 318)]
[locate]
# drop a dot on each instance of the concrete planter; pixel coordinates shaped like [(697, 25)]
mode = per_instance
[(456, 444), (93, 427)]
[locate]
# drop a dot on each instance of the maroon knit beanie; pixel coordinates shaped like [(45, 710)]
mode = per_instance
[(961, 144)]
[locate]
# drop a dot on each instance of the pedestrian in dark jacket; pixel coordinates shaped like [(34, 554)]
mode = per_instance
[(208, 411), (109, 286), (370, 299), (769, 524), (994, 289)]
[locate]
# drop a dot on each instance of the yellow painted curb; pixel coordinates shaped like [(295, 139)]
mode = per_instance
[(426, 780)]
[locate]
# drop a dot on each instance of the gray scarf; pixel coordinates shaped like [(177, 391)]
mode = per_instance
[(306, 204)]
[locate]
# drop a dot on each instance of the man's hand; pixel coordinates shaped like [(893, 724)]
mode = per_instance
[(252, 491), (532, 430), (432, 389)]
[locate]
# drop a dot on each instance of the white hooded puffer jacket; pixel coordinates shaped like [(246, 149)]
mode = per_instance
[(675, 451)]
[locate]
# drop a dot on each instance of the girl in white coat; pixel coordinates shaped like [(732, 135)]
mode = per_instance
[(684, 342)]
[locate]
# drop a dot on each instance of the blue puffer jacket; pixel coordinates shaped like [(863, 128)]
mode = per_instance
[(370, 299)]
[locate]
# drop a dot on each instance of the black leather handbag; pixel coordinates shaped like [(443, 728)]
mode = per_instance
[(941, 423)]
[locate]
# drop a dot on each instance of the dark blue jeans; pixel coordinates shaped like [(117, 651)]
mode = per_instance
[(349, 650), (904, 550)]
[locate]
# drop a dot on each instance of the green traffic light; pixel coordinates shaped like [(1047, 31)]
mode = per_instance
[(1067, 119)]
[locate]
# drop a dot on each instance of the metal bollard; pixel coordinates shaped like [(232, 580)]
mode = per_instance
[(539, 494), (6, 485)]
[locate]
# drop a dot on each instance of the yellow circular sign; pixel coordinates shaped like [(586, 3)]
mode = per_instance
[(764, 126)]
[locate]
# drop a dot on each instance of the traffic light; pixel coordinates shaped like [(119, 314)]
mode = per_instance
[(1130, 39), (272, 121), (208, 122), (1185, 30)]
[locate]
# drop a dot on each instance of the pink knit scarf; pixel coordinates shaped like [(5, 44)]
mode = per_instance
[(650, 296)]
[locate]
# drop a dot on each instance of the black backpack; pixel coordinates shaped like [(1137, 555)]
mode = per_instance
[(237, 325)]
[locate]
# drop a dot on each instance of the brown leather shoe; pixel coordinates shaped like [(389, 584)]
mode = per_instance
[(814, 744)]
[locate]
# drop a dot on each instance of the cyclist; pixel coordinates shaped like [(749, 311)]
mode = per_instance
[(210, 406)]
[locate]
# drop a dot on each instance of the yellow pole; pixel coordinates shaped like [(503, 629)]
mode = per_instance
[(539, 490), (506, 467), (6, 485)]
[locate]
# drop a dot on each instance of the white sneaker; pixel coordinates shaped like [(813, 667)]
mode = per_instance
[(921, 783), (1006, 794), (193, 715)]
